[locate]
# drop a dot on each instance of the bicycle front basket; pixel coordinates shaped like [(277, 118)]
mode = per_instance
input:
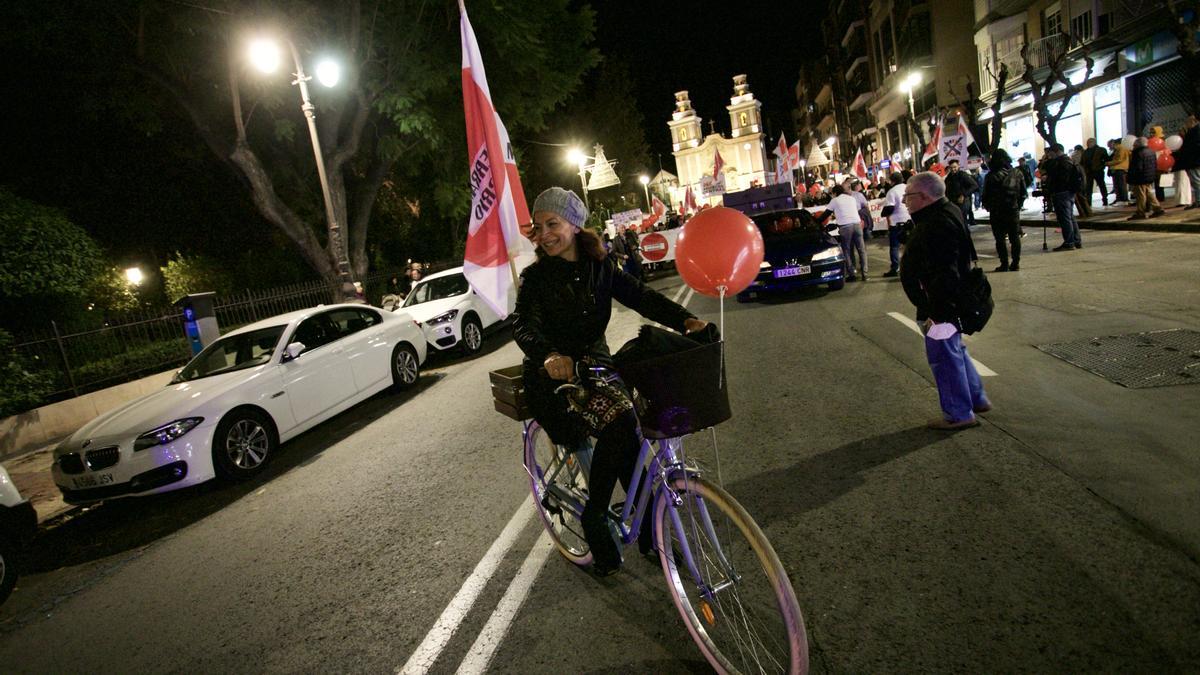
[(683, 392)]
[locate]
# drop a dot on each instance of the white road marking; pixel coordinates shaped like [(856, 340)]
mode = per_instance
[(675, 298), (983, 370), (688, 297), (494, 630), (435, 641)]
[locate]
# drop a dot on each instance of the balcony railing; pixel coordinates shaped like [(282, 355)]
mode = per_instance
[(1042, 52)]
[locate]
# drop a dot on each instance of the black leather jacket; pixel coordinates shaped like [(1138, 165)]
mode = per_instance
[(936, 258), (564, 307)]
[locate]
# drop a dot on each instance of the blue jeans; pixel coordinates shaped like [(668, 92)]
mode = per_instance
[(960, 390), (894, 245), (850, 237), (1064, 210)]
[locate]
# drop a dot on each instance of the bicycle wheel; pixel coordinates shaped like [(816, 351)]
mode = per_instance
[(727, 582), (557, 479)]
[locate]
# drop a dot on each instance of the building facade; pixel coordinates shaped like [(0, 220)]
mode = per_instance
[(1137, 80), (743, 152)]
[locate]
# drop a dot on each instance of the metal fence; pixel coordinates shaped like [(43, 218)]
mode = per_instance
[(74, 360)]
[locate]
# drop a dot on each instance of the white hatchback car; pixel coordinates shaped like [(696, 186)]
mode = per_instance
[(450, 312), (230, 407)]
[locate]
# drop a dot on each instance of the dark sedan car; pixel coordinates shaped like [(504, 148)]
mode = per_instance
[(798, 253)]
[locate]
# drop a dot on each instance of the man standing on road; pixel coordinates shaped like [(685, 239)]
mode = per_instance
[(898, 221), (844, 210), (1060, 179), (1095, 158), (937, 258), (1118, 167), (1003, 195), (960, 190), (1187, 158), (1143, 171)]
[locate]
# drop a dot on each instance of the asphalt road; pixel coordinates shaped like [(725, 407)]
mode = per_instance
[(1062, 535)]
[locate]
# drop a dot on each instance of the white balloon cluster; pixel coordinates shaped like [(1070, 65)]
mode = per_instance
[(1127, 141)]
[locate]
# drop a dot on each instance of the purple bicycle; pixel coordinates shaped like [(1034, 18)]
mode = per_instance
[(723, 574)]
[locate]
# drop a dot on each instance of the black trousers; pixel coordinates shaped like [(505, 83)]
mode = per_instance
[(617, 448), (1006, 229), (1092, 179)]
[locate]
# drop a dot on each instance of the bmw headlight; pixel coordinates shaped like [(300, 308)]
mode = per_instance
[(443, 318), (166, 433), (827, 254)]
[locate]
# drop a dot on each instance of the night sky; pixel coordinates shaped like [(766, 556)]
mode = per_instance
[(680, 45)]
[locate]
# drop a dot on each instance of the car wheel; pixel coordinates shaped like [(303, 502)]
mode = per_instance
[(837, 285), (472, 334), (8, 567), (406, 369), (243, 443)]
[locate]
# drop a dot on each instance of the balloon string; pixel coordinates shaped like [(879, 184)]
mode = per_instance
[(721, 370)]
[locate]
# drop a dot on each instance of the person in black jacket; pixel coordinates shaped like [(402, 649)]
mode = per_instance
[(1095, 159), (1059, 178), (1003, 195), (960, 189), (1143, 171), (562, 311), (1187, 158), (936, 259)]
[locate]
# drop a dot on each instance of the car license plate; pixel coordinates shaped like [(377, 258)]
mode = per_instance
[(93, 480), (792, 271)]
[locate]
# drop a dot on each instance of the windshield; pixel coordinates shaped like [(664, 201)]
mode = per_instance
[(437, 289), (235, 352), (796, 225)]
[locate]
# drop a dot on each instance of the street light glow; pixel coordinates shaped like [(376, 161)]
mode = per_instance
[(134, 276), (911, 82), (831, 140), (265, 55), (643, 179), (574, 156), (328, 72)]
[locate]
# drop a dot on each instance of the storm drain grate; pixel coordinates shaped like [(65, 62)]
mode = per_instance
[(1136, 360)]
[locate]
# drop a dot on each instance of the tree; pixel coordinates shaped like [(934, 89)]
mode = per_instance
[(1186, 23), (194, 274), (1001, 78), (42, 253), (399, 100), (1056, 64)]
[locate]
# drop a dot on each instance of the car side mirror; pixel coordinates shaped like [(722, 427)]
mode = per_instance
[(292, 351)]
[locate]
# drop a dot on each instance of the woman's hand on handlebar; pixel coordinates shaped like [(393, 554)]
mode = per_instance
[(693, 325), (559, 367)]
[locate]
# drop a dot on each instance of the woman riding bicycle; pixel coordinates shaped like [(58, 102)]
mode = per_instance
[(562, 312)]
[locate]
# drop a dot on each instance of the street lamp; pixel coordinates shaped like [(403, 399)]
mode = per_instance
[(575, 156), (907, 86), (134, 276), (645, 181), (265, 56)]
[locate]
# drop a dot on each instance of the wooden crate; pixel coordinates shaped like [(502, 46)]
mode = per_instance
[(508, 393)]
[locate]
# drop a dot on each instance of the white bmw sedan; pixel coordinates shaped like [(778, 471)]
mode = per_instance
[(450, 312), (225, 412)]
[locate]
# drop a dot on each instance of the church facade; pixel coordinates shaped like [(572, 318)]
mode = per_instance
[(744, 152)]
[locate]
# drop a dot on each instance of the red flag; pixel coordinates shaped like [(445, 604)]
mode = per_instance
[(968, 139), (860, 168), (497, 200), (717, 164), (794, 155), (934, 148), (781, 150), (689, 201)]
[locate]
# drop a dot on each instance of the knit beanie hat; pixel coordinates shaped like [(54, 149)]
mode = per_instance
[(565, 203)]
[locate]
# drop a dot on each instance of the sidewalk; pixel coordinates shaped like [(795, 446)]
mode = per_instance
[(1176, 219), (30, 473)]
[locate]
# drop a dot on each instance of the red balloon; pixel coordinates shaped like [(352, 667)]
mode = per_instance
[(1156, 144), (719, 247), (1165, 161)]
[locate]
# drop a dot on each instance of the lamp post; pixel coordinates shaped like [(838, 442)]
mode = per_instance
[(265, 56), (575, 156), (645, 181), (907, 86)]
